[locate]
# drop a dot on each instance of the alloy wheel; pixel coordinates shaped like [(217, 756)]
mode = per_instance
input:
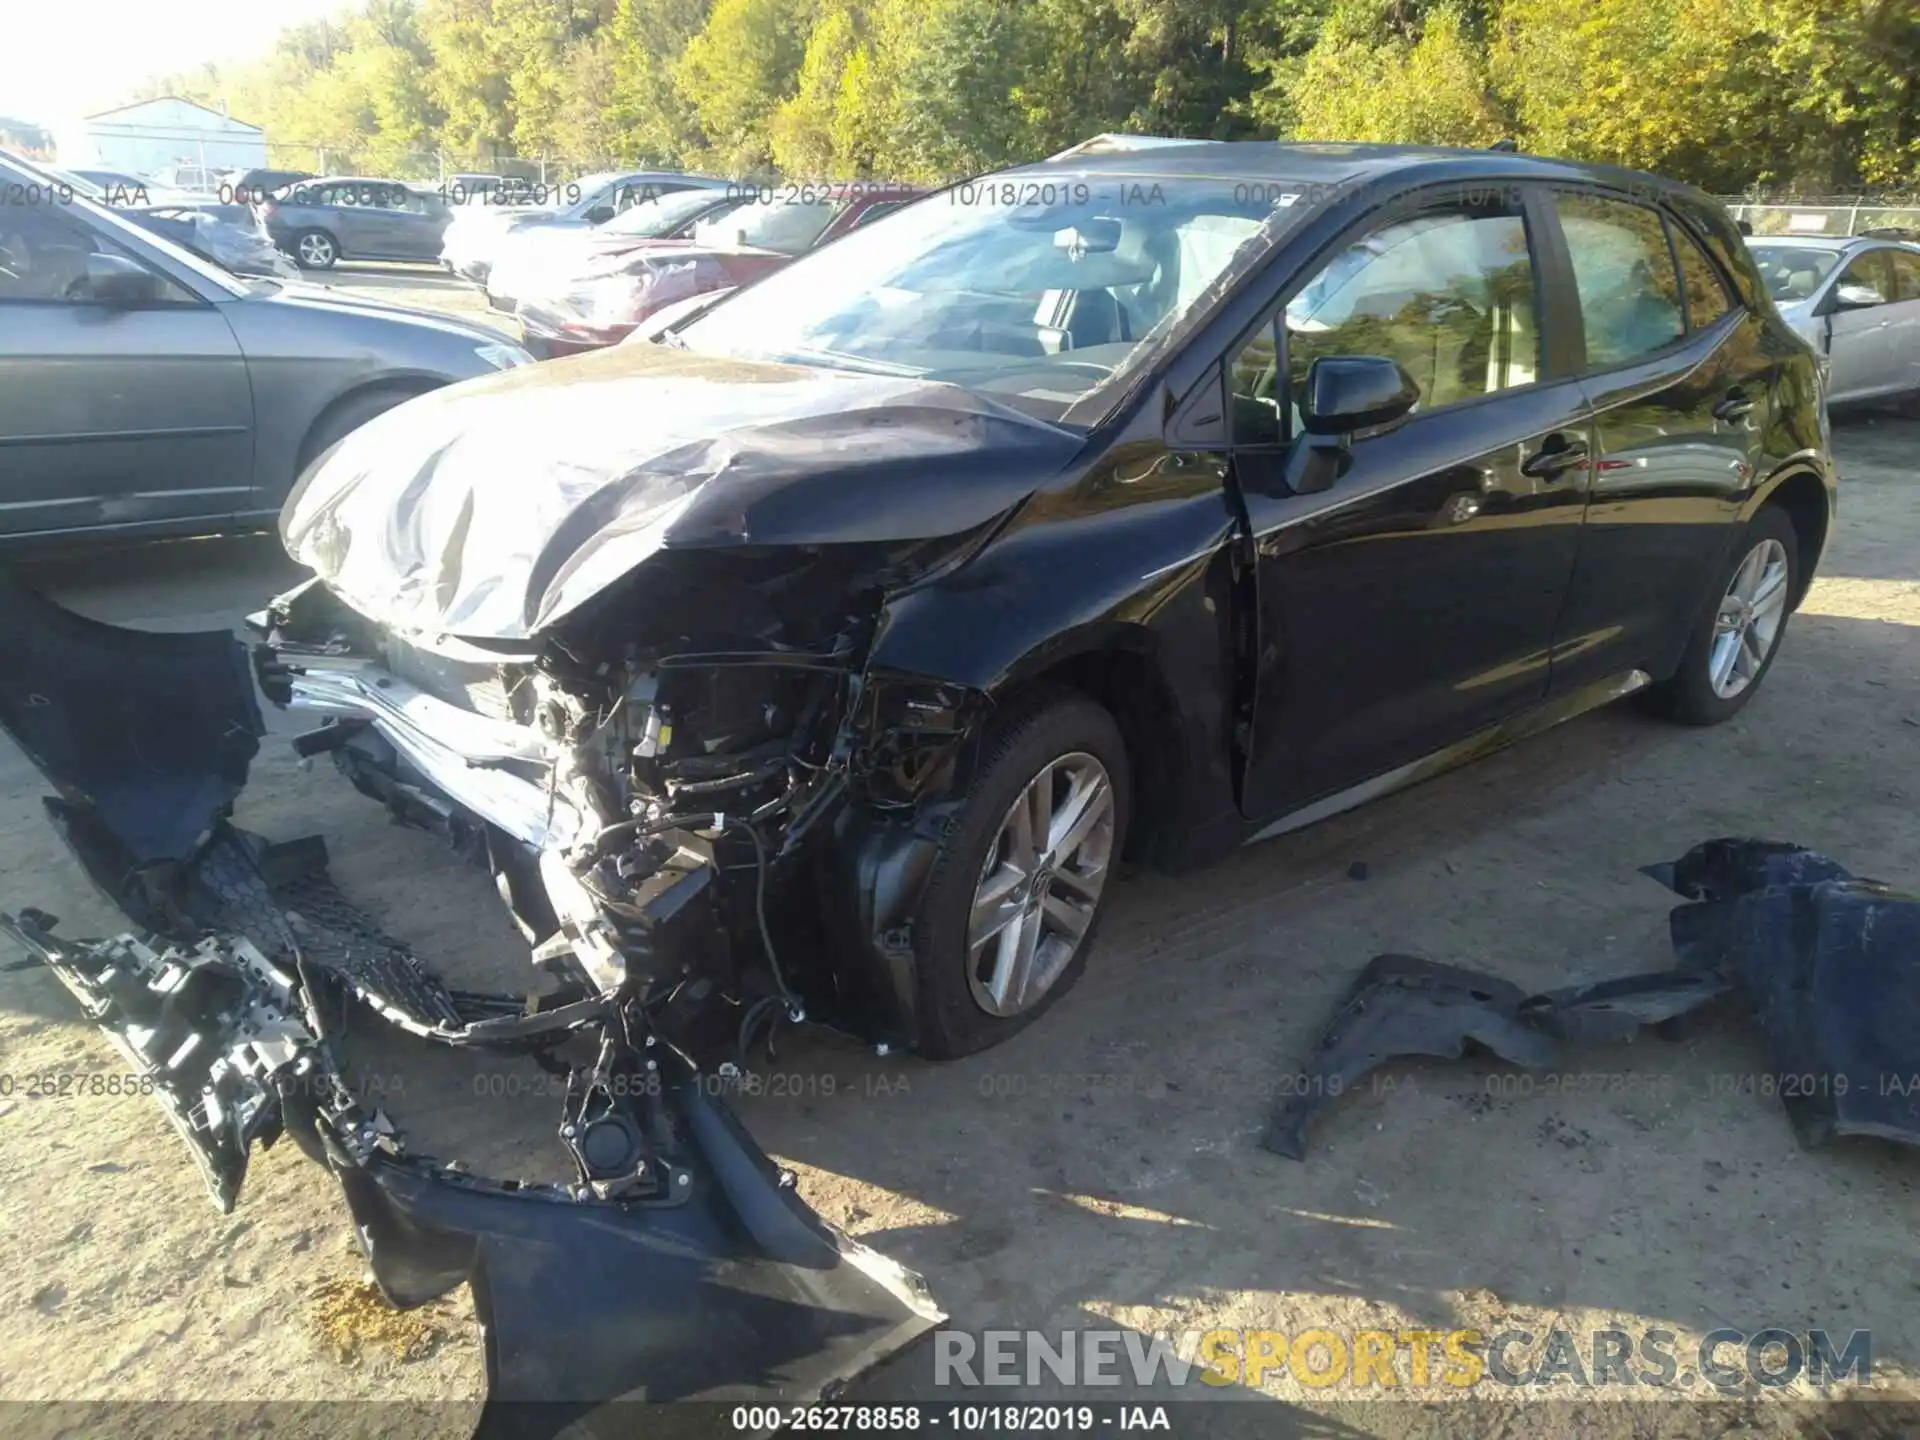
[(1749, 619), (316, 250), (1040, 884)]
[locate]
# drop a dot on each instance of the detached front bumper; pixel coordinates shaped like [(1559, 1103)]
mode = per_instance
[(680, 1263)]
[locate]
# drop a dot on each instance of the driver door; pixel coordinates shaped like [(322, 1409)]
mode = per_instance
[(110, 414), (1412, 603)]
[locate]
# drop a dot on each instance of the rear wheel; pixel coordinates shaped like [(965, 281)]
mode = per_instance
[(315, 250), (1011, 907), (1734, 643)]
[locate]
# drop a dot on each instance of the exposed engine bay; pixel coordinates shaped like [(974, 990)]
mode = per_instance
[(647, 806)]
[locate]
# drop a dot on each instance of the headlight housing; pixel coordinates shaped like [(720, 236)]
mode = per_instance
[(503, 356)]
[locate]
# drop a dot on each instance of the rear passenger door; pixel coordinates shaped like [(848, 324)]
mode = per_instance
[(1680, 382)]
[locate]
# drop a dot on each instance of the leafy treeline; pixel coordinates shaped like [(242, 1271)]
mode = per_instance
[(1814, 95)]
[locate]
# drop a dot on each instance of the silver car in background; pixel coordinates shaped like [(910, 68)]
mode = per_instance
[(473, 240), (1856, 301), (146, 391)]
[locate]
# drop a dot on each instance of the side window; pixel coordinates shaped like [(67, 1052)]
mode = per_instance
[(1869, 278), (1449, 295), (42, 253), (1906, 274), (874, 211), (1253, 392), (1706, 292), (1624, 273), (48, 256)]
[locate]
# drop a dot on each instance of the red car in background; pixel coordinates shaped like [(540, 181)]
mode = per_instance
[(617, 289)]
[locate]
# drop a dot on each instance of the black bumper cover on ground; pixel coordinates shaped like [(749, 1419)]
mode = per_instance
[(1829, 964), (682, 1265)]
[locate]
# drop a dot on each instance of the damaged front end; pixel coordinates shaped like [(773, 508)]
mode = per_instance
[(644, 809)]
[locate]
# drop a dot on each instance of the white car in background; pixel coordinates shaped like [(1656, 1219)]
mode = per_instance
[(473, 240), (1856, 301)]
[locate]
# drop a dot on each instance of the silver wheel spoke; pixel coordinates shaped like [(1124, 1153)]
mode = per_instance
[(1748, 621), (994, 907), (1087, 805), (1067, 916), (1725, 650), (1772, 594), (1014, 963), (1041, 884), (1085, 883)]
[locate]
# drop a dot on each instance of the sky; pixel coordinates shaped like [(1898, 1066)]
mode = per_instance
[(68, 58)]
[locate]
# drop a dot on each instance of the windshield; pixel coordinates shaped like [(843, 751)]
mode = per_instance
[(785, 224), (1793, 272), (1049, 294), (650, 219)]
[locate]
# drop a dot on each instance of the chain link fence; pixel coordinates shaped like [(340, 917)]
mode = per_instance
[(1852, 215)]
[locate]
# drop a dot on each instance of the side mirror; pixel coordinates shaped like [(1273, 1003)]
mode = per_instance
[(117, 281), (1345, 393), (599, 214), (1856, 297), (1342, 394)]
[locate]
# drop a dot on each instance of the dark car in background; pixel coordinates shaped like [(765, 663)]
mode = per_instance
[(232, 236), (251, 187), (620, 281), (144, 390), (347, 217)]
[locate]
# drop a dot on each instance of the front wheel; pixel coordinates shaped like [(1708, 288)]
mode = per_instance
[(1009, 912), (1734, 643), (315, 250)]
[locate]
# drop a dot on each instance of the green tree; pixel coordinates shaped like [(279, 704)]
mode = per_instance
[(1425, 81), (649, 119), (736, 72)]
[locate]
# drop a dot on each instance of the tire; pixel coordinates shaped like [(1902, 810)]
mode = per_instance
[(315, 250), (1072, 740), (1691, 695)]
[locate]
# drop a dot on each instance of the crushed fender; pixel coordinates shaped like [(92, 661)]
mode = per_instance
[(1827, 962)]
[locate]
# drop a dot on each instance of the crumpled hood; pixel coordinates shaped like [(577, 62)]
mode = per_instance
[(492, 509)]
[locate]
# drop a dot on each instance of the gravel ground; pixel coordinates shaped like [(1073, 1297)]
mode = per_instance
[(1102, 1169)]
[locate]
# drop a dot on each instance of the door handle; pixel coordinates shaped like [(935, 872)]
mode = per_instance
[(1557, 455), (1736, 406)]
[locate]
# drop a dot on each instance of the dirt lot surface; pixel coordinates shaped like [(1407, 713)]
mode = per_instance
[(1102, 1169)]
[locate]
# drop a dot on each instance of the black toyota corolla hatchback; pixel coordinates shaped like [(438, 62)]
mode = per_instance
[(822, 659), (1155, 498)]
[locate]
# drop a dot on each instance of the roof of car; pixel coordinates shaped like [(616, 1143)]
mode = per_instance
[(1324, 163), (362, 180)]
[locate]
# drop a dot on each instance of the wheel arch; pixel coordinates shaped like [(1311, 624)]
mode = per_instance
[(1119, 670), (319, 433), (1809, 505)]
